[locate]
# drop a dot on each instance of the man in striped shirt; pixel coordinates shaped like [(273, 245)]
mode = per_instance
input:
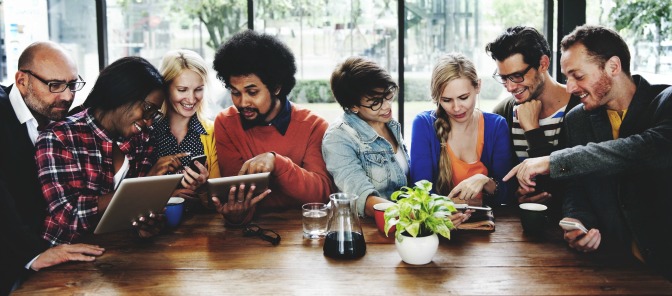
[(538, 104)]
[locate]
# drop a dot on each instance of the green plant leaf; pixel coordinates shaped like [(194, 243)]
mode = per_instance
[(418, 211)]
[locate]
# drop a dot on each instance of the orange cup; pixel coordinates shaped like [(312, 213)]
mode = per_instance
[(379, 215)]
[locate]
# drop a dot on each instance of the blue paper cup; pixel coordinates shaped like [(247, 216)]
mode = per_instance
[(174, 210)]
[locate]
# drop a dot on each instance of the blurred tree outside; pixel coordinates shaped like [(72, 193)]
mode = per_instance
[(644, 20)]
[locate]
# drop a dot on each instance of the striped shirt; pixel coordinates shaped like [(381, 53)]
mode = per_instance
[(550, 125)]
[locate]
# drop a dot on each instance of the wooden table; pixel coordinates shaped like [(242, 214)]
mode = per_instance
[(202, 257)]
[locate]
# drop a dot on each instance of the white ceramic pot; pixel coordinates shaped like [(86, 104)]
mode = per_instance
[(417, 250)]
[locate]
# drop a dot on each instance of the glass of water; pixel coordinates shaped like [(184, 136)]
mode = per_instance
[(315, 217)]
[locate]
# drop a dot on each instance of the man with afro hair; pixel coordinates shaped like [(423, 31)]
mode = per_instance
[(265, 132)]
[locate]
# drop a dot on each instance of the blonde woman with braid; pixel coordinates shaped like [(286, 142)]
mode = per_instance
[(465, 152)]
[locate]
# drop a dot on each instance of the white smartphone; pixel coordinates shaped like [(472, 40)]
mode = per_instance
[(570, 225)]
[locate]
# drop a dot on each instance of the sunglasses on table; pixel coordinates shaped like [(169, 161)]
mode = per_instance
[(265, 234)]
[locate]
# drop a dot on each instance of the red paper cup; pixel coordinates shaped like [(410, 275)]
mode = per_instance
[(379, 215)]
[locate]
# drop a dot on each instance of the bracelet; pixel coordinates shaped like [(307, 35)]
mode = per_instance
[(496, 188)]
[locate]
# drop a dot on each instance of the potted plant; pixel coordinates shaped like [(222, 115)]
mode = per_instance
[(419, 216)]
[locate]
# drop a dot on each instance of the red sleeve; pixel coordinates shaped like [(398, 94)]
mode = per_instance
[(316, 183)]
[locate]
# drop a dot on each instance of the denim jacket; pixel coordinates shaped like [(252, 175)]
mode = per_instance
[(361, 161)]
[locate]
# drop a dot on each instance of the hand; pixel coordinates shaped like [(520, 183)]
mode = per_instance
[(458, 218), (528, 169), (192, 179), (261, 163), (64, 253), (185, 193), (168, 163), (149, 225), (469, 188), (239, 202), (583, 242), (528, 114), (525, 195)]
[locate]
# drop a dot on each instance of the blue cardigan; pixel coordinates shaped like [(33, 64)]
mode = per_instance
[(496, 156)]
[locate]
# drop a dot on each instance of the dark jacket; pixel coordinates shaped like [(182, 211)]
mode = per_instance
[(22, 206), (622, 186)]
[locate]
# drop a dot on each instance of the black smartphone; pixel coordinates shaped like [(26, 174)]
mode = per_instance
[(200, 158)]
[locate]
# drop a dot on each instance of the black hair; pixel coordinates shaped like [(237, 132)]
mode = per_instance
[(601, 43), (526, 41), (249, 52), (357, 77), (128, 79)]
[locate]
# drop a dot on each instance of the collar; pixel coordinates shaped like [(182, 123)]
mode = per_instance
[(20, 108), (365, 131), (280, 122)]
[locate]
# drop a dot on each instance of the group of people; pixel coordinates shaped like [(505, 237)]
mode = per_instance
[(142, 121)]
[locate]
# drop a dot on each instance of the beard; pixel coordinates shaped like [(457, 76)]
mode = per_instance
[(40, 108), (599, 94), (260, 119), (537, 88)]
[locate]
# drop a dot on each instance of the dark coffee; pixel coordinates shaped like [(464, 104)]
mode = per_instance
[(353, 245)]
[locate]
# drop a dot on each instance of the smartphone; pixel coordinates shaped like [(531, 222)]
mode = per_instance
[(570, 225), (464, 207), (200, 158)]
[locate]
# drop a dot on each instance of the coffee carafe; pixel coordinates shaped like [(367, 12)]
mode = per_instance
[(344, 233)]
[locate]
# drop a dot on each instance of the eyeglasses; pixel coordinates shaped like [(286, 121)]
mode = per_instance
[(265, 234), (56, 86), (517, 77), (151, 111), (377, 103)]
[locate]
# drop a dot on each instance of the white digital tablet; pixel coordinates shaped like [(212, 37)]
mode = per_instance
[(136, 197), (220, 187)]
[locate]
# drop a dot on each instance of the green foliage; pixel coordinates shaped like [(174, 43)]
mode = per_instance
[(636, 15), (312, 91), (508, 13), (644, 20), (419, 212)]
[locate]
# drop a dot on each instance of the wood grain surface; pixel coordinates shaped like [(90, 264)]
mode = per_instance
[(202, 257)]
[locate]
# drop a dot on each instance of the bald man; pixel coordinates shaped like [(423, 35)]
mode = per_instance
[(43, 90)]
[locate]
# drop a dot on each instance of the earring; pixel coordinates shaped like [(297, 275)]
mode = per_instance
[(355, 111)]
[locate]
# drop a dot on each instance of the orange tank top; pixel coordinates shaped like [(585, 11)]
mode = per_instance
[(463, 170)]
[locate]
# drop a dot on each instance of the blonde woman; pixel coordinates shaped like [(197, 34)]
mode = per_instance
[(185, 128), (465, 152)]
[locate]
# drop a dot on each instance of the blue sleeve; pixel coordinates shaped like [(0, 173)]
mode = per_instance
[(424, 162), (498, 144)]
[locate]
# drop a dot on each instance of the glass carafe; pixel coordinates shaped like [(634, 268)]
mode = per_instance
[(344, 233)]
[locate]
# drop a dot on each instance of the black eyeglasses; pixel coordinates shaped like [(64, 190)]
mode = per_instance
[(56, 86), (517, 77), (151, 111), (388, 95), (265, 234)]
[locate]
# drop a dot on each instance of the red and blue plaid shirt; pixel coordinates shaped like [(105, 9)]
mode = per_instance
[(74, 160)]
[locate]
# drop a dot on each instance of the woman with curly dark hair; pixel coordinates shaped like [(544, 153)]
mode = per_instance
[(265, 132)]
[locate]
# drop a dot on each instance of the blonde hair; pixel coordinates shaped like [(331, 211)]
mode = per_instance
[(174, 63), (448, 68)]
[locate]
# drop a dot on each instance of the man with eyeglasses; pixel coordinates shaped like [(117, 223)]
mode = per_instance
[(263, 131), (538, 105), (43, 91)]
